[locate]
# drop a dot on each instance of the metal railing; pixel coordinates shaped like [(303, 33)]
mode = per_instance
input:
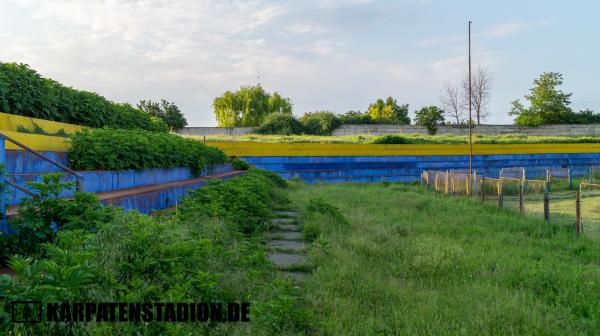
[(78, 177)]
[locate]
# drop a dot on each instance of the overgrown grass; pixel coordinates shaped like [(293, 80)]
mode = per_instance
[(406, 138), (411, 262)]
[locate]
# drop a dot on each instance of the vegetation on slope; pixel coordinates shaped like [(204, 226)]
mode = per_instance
[(187, 257), (410, 262), (111, 149), (25, 92), (407, 139)]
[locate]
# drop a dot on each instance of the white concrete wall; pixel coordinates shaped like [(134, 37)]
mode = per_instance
[(549, 130)]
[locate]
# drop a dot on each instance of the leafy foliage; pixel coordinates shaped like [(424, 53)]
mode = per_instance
[(391, 139), (25, 92), (248, 107), (320, 123), (280, 123), (137, 149), (389, 112), (239, 164), (131, 257), (549, 105), (356, 117), (244, 201), (430, 117), (168, 112)]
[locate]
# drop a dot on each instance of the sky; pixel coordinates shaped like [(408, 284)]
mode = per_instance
[(324, 55)]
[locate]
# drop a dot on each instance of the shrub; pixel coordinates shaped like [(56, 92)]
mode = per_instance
[(243, 200), (239, 164), (320, 123), (25, 92), (430, 117), (137, 149), (280, 123), (320, 206), (356, 117), (391, 139)]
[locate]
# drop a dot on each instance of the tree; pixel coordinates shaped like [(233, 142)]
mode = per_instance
[(168, 112), (452, 104), (320, 122), (481, 85), (548, 104), (248, 106), (430, 117), (389, 112)]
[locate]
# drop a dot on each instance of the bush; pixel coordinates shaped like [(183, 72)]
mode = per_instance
[(320, 206), (280, 123), (24, 92), (320, 123), (391, 139), (239, 164), (243, 200), (356, 117), (137, 149), (430, 117)]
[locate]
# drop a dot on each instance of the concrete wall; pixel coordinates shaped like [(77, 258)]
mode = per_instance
[(408, 168), (548, 130), (202, 131)]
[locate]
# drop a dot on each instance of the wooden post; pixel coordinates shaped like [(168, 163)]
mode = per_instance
[(578, 227), (446, 181), (482, 189), (546, 203), (468, 185), (437, 181), (500, 194), (521, 203)]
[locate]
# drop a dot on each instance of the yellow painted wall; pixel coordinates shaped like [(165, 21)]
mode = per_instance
[(37, 142), (10, 122), (313, 149)]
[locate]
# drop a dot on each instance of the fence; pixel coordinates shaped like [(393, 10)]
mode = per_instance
[(579, 209)]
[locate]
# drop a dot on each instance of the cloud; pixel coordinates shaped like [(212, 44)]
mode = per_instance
[(509, 28), (306, 28)]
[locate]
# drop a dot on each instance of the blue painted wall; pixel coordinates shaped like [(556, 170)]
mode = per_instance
[(409, 168)]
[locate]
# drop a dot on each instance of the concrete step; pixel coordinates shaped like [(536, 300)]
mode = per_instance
[(288, 227), (285, 260), (286, 235), (286, 244), (283, 221), (287, 213)]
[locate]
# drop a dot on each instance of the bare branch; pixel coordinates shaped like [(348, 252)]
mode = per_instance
[(451, 102)]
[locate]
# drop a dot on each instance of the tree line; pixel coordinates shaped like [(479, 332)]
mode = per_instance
[(23, 91)]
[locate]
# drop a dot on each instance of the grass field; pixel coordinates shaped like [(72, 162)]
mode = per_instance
[(409, 261), (410, 138)]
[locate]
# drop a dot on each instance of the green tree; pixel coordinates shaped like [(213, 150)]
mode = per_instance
[(320, 122), (248, 106), (548, 105), (430, 117), (166, 111), (389, 112)]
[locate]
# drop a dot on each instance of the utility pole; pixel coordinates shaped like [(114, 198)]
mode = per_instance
[(470, 108)]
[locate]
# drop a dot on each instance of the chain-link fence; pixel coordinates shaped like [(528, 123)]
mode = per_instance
[(579, 209), (589, 209)]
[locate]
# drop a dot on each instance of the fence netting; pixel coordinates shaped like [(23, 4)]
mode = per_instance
[(579, 209), (589, 208)]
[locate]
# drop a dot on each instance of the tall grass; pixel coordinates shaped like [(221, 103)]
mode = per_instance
[(411, 262)]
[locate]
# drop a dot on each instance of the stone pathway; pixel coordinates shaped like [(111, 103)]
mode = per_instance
[(286, 249)]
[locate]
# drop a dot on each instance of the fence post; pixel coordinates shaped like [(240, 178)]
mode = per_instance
[(437, 181), (570, 178), (578, 227), (500, 194), (468, 185), (591, 174), (521, 190), (547, 202), (482, 189), (446, 181), (3, 222)]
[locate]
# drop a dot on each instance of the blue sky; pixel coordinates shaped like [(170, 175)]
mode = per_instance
[(329, 54)]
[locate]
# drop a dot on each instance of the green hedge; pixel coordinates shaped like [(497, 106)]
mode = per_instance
[(112, 149), (25, 92)]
